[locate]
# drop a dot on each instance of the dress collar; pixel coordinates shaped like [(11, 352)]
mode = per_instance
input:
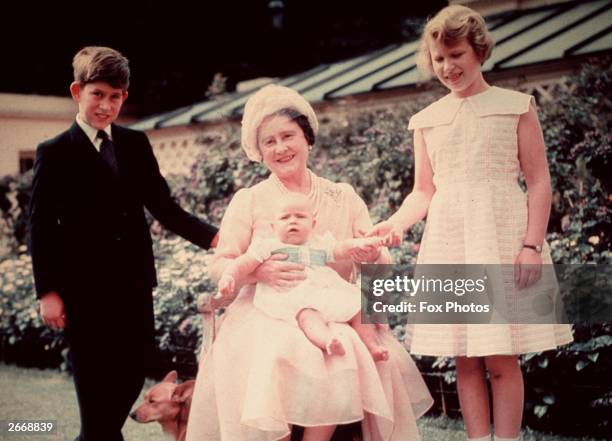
[(476, 97), (493, 101)]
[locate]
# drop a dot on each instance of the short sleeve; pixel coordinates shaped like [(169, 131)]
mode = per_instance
[(359, 211), (326, 242), (260, 250), (236, 227)]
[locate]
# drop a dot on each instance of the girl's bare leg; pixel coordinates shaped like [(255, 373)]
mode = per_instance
[(473, 396), (508, 394), (369, 336), (319, 433), (315, 328)]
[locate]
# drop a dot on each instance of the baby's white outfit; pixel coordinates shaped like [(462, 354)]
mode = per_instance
[(323, 289)]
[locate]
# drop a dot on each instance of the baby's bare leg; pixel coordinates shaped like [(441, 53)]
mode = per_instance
[(312, 323), (369, 336)]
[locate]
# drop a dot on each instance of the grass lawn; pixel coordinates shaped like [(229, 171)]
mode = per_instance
[(28, 394), (49, 395)]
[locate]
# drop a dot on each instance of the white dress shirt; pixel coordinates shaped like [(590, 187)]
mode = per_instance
[(91, 132)]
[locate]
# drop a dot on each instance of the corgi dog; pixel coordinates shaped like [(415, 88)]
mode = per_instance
[(167, 403)]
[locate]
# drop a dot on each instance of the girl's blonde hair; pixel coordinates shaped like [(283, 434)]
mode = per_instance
[(451, 25)]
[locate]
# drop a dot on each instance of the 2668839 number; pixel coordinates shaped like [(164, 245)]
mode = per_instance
[(31, 427)]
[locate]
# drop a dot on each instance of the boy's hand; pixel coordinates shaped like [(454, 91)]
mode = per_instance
[(227, 285), (392, 233), (215, 241), (52, 310)]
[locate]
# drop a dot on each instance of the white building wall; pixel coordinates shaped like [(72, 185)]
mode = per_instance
[(22, 135), (27, 120)]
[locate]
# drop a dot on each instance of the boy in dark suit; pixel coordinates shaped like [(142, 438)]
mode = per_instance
[(91, 246)]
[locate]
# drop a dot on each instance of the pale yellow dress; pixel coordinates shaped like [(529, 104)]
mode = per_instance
[(478, 215)]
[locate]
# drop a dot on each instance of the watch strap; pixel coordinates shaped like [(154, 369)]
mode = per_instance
[(536, 248)]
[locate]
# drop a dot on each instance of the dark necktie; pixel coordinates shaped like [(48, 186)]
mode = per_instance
[(107, 150)]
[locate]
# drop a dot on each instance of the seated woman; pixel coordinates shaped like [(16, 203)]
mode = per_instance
[(324, 296), (262, 375)]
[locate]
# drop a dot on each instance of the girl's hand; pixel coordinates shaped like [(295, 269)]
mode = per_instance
[(527, 268), (280, 274), (392, 233)]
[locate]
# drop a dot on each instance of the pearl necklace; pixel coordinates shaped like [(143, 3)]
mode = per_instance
[(313, 194)]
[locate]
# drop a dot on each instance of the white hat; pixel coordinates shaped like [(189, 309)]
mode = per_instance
[(266, 101)]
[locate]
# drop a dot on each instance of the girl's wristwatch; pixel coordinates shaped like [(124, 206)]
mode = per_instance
[(536, 248)]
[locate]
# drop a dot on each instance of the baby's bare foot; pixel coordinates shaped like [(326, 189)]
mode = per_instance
[(379, 353), (372, 343), (334, 347)]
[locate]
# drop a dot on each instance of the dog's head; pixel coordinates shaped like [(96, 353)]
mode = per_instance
[(166, 401)]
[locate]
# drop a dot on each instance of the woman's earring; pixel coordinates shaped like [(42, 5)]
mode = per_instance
[(310, 148)]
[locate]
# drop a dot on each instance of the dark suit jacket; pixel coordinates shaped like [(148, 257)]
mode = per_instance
[(88, 233)]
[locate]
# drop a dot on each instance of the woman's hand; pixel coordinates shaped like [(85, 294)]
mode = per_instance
[(527, 268), (392, 233), (278, 273)]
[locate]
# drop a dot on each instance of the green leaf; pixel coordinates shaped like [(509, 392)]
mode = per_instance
[(593, 357), (540, 410), (603, 341), (581, 365)]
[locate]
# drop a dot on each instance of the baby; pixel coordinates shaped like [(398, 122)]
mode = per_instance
[(324, 296)]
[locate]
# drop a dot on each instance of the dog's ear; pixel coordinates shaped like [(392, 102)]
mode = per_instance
[(171, 377), (183, 391)]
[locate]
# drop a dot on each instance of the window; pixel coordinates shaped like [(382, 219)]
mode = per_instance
[(26, 160)]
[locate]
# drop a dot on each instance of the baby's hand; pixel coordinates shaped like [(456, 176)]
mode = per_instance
[(391, 233), (227, 285), (368, 243), (364, 249)]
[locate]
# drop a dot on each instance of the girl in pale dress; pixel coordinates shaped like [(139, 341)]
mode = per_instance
[(469, 148), (262, 375), (324, 296)]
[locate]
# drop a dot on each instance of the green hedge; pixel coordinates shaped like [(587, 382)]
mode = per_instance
[(567, 391)]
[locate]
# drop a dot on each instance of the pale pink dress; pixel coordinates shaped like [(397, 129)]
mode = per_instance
[(478, 215), (262, 374)]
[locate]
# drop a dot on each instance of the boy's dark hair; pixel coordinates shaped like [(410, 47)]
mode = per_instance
[(98, 63), (301, 121)]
